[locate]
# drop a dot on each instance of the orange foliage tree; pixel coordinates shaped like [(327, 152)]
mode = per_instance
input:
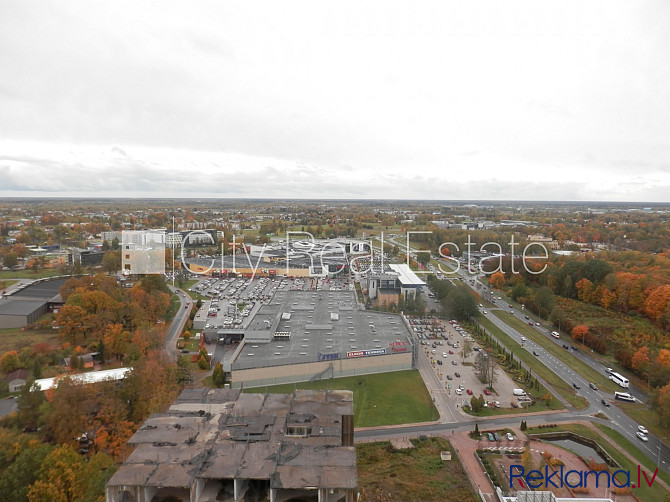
[(579, 332)]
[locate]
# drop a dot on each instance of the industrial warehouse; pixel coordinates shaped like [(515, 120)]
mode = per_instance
[(221, 445)]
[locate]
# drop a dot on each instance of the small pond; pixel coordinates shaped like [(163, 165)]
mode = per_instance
[(586, 452)]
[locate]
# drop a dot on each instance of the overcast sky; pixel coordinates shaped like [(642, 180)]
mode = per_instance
[(537, 100)]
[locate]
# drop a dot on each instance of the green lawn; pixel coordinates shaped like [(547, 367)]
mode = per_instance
[(174, 307), (384, 399), (560, 353), (29, 274), (412, 475), (6, 283), (539, 369), (654, 494)]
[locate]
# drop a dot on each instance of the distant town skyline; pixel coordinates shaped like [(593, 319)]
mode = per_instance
[(516, 100)]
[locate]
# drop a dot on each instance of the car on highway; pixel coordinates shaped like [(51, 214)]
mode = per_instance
[(530, 323), (537, 324), (642, 429), (535, 353), (523, 338), (593, 386), (576, 385), (605, 402), (566, 346), (642, 436)]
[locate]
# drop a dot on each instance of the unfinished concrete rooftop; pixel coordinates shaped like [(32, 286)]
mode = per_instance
[(220, 444)]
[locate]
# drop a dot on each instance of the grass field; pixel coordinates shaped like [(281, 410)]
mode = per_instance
[(15, 339), (384, 399), (412, 475), (174, 307), (29, 274), (654, 494), (539, 369), (558, 352), (5, 283)]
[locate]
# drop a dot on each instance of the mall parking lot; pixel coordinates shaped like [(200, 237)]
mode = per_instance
[(448, 367)]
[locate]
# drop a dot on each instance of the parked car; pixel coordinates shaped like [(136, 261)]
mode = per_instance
[(469, 392), (510, 437), (449, 377), (439, 361), (487, 392), (459, 392), (454, 362), (457, 375)]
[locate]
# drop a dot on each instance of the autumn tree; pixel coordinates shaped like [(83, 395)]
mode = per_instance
[(65, 476), (497, 280), (71, 320), (9, 361), (218, 375), (70, 406), (23, 472), (640, 359), (579, 332), (657, 302)]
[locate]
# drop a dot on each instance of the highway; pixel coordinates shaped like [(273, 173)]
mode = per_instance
[(655, 449)]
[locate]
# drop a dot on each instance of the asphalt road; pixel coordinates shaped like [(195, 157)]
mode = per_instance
[(654, 448)]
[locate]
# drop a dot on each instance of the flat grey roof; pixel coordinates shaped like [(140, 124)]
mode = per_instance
[(16, 306), (45, 290), (315, 335)]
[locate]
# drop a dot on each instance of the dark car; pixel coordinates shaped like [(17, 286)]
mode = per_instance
[(593, 386), (566, 346), (605, 402), (439, 362), (457, 375), (449, 377), (576, 385), (535, 353)]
